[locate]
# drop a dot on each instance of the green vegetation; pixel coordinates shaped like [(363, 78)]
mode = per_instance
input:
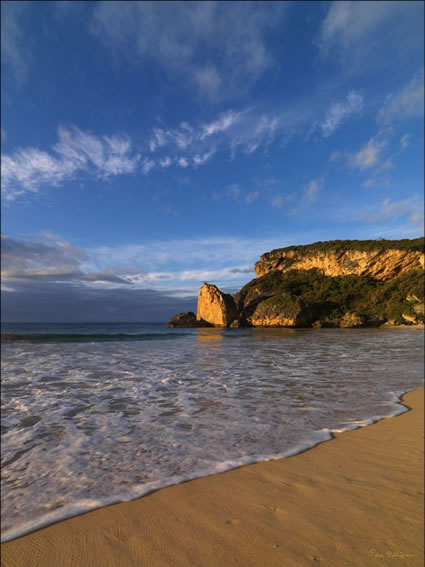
[(414, 245), (317, 297)]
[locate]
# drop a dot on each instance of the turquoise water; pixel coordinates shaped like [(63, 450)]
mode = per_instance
[(97, 413)]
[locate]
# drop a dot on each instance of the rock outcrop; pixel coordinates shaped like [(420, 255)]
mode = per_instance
[(215, 307), (381, 260), (351, 321), (187, 319), (270, 314)]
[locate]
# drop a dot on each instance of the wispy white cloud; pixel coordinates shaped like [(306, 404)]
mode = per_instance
[(378, 181), (110, 155), (237, 194), (351, 29), (185, 254), (309, 195), (371, 154), (368, 156), (148, 164), (208, 81), (251, 197), (312, 190), (170, 267), (338, 112), (162, 280), (159, 139), (175, 35), (404, 141), (79, 152), (385, 166), (281, 199), (183, 162), (408, 103), (221, 124), (180, 137), (411, 208), (29, 169), (245, 130), (201, 159), (165, 162), (15, 51)]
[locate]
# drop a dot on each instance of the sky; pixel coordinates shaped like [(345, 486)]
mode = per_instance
[(148, 147)]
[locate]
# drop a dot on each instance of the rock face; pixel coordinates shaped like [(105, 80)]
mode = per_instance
[(350, 321), (268, 316), (187, 319), (215, 307), (379, 263)]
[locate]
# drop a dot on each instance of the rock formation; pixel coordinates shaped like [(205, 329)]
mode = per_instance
[(216, 307), (350, 321), (346, 284), (378, 262)]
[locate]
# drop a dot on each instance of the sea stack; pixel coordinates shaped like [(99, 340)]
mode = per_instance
[(216, 307)]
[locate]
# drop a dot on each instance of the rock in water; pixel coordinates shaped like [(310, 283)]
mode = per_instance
[(187, 319), (216, 307)]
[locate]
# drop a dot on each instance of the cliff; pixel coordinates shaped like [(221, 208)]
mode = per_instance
[(327, 284), (378, 259), (308, 298)]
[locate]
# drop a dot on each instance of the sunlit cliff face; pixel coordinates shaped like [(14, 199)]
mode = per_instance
[(379, 264)]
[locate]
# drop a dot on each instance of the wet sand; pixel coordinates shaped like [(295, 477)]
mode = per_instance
[(355, 501)]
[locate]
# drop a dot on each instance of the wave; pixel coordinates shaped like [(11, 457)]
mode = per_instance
[(314, 438), (87, 337)]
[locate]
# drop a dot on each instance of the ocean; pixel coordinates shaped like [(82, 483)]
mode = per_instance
[(94, 414)]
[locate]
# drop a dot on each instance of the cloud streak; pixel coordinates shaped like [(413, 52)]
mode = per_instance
[(309, 195), (408, 103), (77, 152), (30, 169), (369, 155), (353, 29), (171, 267), (391, 210), (174, 35), (338, 112), (15, 51)]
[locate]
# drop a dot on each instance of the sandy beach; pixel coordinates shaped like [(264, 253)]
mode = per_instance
[(354, 501)]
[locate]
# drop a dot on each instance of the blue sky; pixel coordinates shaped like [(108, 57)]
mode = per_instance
[(149, 147)]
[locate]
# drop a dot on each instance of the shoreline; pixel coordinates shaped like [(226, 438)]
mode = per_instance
[(256, 503), (80, 508)]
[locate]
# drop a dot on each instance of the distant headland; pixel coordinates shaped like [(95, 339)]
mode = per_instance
[(338, 283)]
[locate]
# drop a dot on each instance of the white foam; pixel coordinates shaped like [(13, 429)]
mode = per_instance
[(120, 420), (138, 491)]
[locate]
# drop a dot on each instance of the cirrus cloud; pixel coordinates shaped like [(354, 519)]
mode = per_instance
[(174, 35)]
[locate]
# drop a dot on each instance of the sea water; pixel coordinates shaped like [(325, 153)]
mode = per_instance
[(96, 414)]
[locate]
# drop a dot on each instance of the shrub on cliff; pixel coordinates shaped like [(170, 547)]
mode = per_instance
[(316, 296), (409, 245)]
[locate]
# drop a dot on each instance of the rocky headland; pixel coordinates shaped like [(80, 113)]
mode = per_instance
[(340, 283)]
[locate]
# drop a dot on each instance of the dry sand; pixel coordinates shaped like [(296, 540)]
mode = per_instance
[(353, 501)]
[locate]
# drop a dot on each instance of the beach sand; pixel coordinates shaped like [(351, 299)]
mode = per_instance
[(355, 501)]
